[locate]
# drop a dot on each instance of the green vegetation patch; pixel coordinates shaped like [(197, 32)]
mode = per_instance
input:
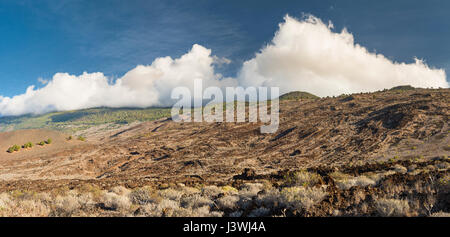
[(13, 148), (27, 145), (72, 121)]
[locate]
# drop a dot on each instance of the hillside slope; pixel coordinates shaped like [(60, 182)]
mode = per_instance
[(331, 132), (72, 121)]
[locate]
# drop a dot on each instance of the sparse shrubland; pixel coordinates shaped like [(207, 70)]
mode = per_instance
[(27, 145), (301, 193)]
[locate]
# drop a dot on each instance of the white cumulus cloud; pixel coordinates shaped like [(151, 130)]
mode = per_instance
[(307, 55), (143, 86), (304, 55)]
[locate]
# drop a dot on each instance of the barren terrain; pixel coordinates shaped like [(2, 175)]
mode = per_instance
[(394, 137)]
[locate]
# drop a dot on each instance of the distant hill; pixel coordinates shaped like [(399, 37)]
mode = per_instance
[(72, 121), (402, 88), (297, 95), (81, 119)]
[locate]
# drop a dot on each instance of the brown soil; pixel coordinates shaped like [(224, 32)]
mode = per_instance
[(20, 137)]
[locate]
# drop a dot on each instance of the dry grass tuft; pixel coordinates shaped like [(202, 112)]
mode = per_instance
[(392, 207), (302, 197)]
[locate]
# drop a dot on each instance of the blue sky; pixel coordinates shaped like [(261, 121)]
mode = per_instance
[(41, 38)]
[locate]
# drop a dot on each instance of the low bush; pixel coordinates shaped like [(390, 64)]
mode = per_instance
[(116, 202), (27, 145), (302, 178), (143, 196), (392, 207), (345, 181), (13, 148), (253, 199), (302, 197)]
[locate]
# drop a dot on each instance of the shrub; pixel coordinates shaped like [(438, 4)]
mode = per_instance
[(443, 165), (302, 178), (170, 194), (27, 208), (444, 182), (361, 181), (5, 200), (13, 148), (42, 143), (195, 201), (81, 138), (228, 202), (345, 181), (49, 141), (163, 208), (23, 194), (142, 196), (120, 190), (251, 189), (65, 206), (339, 176), (189, 190), (271, 198), (16, 148), (392, 207), (302, 197), (211, 191), (400, 169), (229, 189), (69, 138), (94, 191), (116, 202)]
